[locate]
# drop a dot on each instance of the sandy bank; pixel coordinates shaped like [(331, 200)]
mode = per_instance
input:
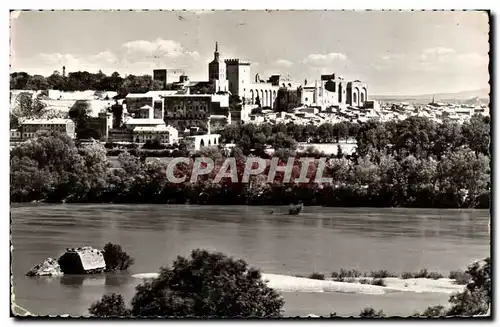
[(423, 285), (284, 283)]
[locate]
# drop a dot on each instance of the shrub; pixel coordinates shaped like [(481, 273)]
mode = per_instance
[(371, 313), (406, 275), (382, 274), (421, 274), (434, 275), (207, 285), (109, 145), (346, 273), (364, 281), (116, 258), (378, 282), (435, 311), (460, 277), (316, 275), (476, 298), (111, 305)]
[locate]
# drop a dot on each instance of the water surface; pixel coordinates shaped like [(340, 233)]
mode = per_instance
[(319, 239)]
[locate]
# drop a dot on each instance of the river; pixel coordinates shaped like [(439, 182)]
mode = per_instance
[(319, 239)]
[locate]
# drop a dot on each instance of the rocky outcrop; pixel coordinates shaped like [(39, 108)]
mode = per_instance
[(48, 267), (85, 260)]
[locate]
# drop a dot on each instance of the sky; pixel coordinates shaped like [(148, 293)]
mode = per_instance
[(395, 53)]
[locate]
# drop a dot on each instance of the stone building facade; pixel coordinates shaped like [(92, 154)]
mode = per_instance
[(250, 92), (30, 127), (357, 93)]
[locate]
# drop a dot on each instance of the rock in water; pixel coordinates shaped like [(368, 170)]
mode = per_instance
[(86, 260), (48, 267)]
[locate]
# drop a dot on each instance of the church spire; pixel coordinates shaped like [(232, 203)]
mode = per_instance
[(216, 53)]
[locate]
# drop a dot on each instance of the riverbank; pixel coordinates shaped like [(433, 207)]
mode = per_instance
[(285, 283)]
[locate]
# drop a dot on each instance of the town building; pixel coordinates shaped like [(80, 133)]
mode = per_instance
[(163, 77), (357, 93), (137, 102), (164, 134), (253, 93), (196, 142), (217, 72), (30, 127), (194, 110)]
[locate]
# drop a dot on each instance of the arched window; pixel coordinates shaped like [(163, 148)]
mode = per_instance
[(209, 142), (202, 143)]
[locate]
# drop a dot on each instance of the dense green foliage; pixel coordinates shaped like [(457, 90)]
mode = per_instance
[(204, 285), (458, 176)]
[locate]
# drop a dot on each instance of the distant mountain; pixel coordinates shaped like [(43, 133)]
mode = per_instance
[(481, 95)]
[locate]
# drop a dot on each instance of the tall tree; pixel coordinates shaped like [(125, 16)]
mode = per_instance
[(18, 80), (37, 82), (56, 81)]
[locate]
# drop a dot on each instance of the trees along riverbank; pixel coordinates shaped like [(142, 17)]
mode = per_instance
[(413, 163)]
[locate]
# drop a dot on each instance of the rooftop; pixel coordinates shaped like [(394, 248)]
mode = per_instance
[(46, 121), (157, 128), (144, 121)]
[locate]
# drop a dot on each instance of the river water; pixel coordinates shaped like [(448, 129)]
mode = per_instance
[(319, 239)]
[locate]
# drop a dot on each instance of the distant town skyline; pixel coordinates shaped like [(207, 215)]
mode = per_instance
[(405, 53)]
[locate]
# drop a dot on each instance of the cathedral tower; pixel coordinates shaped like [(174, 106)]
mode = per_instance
[(216, 69)]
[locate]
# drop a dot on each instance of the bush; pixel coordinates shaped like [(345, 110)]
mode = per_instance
[(346, 273), (111, 305), (460, 277), (378, 282), (110, 145), (364, 281), (371, 313), (382, 274), (434, 275), (207, 285), (316, 275), (423, 273), (407, 275), (435, 311), (476, 298), (116, 258)]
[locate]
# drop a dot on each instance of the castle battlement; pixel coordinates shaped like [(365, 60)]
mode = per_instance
[(236, 62)]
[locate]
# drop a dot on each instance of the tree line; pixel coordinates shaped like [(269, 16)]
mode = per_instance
[(384, 172), (82, 81)]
